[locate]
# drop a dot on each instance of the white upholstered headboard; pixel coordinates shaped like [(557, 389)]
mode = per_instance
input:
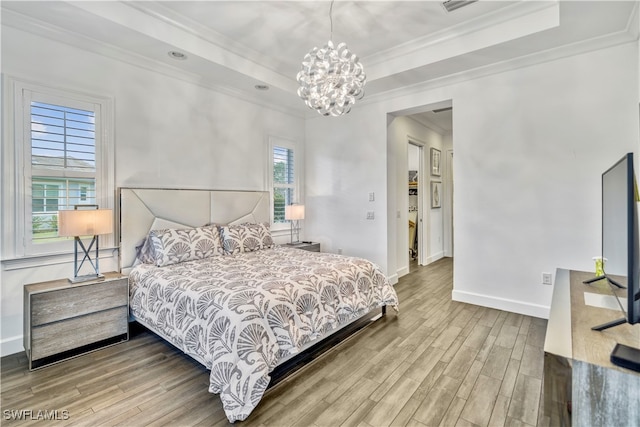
[(144, 209)]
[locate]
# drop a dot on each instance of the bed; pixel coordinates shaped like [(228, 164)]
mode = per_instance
[(205, 275)]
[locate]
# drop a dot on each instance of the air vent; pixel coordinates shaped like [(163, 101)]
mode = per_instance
[(451, 5)]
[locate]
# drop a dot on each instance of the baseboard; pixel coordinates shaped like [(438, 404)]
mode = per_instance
[(403, 271), (434, 257), (11, 345), (535, 310), (393, 279)]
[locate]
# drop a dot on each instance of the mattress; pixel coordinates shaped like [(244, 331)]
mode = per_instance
[(241, 315)]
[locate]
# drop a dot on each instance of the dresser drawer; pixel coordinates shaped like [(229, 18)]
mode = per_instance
[(76, 301), (64, 320), (57, 337)]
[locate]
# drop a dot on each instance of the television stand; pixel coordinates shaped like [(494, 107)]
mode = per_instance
[(609, 279), (609, 324), (582, 385)]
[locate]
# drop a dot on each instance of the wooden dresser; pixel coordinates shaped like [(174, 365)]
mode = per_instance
[(305, 246), (63, 319), (581, 385)]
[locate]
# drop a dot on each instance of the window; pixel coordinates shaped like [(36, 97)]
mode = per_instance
[(62, 141), (284, 179)]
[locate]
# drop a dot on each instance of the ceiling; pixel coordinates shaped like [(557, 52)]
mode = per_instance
[(233, 46)]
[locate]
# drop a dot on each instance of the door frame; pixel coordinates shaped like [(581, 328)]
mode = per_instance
[(448, 205), (421, 232)]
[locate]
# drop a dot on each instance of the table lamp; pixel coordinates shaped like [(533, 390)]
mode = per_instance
[(85, 220), (294, 213)]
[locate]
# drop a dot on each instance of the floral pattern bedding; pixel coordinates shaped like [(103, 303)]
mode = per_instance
[(243, 313)]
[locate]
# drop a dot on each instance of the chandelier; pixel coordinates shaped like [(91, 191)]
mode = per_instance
[(331, 78)]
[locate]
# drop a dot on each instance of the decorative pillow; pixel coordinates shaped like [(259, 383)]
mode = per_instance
[(144, 252), (172, 246), (247, 237)]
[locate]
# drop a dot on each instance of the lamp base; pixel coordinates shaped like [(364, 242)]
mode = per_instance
[(86, 278)]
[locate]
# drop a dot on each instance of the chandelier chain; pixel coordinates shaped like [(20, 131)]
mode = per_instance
[(331, 20)]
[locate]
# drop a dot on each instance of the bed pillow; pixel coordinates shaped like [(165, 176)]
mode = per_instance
[(144, 252), (247, 237), (172, 246)]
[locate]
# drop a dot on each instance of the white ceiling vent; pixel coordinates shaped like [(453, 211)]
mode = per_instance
[(451, 5)]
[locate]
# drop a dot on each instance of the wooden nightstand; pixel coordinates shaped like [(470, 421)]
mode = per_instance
[(306, 246), (64, 320)]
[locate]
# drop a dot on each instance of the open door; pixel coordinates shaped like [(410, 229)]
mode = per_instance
[(415, 162)]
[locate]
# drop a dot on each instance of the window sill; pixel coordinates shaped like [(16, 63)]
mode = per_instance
[(32, 261)]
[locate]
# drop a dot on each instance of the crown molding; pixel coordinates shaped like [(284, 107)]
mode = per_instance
[(633, 24), (159, 11), (538, 11), (565, 51), (169, 31), (33, 26)]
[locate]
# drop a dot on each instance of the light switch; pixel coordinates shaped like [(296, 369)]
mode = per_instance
[(372, 197)]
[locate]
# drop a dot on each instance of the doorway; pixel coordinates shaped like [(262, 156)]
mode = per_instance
[(429, 127), (415, 166)]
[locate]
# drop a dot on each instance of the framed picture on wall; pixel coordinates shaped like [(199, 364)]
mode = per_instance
[(435, 162), (436, 194)]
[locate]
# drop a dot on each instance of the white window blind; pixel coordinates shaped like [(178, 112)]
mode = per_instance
[(62, 137), (63, 163), (284, 180)]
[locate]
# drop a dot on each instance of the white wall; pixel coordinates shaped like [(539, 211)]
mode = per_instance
[(345, 161), (530, 145), (528, 159), (168, 133)]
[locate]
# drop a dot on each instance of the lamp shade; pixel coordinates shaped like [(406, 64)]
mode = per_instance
[(89, 222), (294, 212)]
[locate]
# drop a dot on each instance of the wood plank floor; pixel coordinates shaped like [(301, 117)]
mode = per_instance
[(438, 363)]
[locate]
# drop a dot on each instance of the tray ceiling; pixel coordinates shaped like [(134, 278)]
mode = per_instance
[(236, 45)]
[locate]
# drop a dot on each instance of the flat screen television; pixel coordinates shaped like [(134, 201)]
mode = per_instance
[(620, 241)]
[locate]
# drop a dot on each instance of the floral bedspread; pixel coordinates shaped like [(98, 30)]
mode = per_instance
[(241, 314)]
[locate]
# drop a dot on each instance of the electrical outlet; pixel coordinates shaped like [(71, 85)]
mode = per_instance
[(547, 279), (371, 215), (339, 251)]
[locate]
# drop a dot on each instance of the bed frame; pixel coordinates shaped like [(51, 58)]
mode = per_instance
[(144, 209)]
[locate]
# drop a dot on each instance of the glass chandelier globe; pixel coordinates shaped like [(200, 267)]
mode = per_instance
[(331, 78)]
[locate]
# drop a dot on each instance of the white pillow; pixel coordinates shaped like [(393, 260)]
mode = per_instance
[(247, 237), (171, 246)]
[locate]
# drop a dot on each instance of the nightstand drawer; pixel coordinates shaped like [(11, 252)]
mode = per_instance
[(57, 337), (305, 246), (76, 301), (63, 320)]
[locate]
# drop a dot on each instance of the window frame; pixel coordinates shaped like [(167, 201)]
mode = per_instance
[(298, 194), (18, 171)]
